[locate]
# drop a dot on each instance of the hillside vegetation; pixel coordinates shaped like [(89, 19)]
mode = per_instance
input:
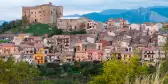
[(16, 27), (35, 29)]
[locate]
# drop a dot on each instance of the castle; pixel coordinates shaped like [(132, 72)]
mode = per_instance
[(45, 13)]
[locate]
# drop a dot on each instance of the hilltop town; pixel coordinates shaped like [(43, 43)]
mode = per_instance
[(46, 47), (102, 40)]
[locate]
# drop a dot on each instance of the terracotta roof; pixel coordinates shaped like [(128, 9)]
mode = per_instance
[(7, 35), (90, 46), (26, 46), (7, 44), (123, 29), (152, 48), (104, 43), (149, 23), (37, 45), (35, 37), (90, 51)]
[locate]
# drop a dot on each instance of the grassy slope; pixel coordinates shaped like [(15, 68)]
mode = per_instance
[(36, 29)]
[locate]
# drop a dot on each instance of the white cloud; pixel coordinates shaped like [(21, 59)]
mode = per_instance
[(80, 12), (11, 9)]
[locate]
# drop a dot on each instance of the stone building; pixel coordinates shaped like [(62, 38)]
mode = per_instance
[(45, 13), (71, 23), (59, 43), (7, 49), (152, 55), (91, 24)]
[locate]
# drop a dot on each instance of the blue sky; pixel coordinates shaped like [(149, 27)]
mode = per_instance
[(11, 9)]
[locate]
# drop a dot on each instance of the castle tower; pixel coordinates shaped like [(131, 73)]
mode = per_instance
[(45, 13)]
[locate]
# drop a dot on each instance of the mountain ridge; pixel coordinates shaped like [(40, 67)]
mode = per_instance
[(140, 15)]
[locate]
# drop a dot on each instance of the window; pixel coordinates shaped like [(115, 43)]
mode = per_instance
[(152, 56), (77, 48), (45, 52), (126, 49), (129, 56), (99, 47), (125, 57), (130, 49), (145, 56), (145, 51), (31, 12)]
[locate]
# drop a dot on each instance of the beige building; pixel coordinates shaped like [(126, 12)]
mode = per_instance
[(46, 13), (62, 43), (91, 24), (71, 23)]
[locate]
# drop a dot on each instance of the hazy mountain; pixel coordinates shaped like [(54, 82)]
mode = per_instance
[(75, 15), (113, 11), (140, 15), (100, 17), (163, 11), (2, 21), (137, 15)]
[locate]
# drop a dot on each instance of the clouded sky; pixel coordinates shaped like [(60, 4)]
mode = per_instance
[(11, 9)]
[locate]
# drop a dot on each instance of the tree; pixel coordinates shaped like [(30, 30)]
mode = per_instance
[(164, 64), (165, 48), (164, 71), (114, 72), (117, 71), (5, 26), (17, 73), (56, 32)]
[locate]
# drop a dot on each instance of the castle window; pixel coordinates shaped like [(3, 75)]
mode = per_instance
[(31, 12), (51, 12)]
